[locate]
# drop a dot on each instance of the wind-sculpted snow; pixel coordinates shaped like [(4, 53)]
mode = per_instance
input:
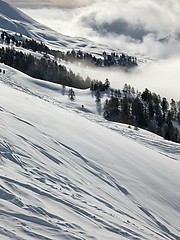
[(66, 173)]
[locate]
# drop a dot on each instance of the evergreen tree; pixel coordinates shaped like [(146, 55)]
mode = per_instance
[(107, 84), (164, 105), (119, 93), (146, 95), (138, 113), (125, 109), (98, 96), (173, 109), (111, 109), (151, 110), (71, 94)]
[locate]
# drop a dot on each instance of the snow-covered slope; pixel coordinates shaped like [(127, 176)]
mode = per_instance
[(14, 20), (66, 173)]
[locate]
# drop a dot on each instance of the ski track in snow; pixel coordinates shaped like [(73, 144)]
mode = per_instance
[(67, 187), (40, 200), (169, 149)]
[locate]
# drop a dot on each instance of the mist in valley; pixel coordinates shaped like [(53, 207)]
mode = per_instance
[(147, 29)]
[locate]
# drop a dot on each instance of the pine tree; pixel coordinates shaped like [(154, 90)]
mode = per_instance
[(146, 95), (107, 84), (111, 109), (138, 113), (164, 105), (173, 109), (71, 94), (98, 96), (125, 109)]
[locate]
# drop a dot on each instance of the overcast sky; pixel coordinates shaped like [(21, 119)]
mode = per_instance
[(55, 3)]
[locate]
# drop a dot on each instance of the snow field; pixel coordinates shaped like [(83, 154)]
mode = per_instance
[(67, 173)]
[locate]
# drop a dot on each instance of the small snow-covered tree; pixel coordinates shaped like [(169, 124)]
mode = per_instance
[(71, 94)]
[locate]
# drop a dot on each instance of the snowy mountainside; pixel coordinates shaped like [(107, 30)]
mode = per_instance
[(66, 173), (15, 21)]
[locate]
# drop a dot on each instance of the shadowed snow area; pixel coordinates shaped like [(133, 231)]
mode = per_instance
[(66, 173)]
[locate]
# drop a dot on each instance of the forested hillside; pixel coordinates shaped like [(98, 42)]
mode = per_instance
[(145, 110)]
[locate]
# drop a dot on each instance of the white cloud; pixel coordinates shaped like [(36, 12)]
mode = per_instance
[(132, 26)]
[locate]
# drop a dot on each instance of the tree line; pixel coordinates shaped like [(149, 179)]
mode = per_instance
[(106, 60), (19, 41), (43, 68), (145, 110)]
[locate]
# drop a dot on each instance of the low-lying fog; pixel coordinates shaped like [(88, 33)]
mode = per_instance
[(161, 77), (150, 28)]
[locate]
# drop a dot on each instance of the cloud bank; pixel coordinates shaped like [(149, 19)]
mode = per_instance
[(148, 27)]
